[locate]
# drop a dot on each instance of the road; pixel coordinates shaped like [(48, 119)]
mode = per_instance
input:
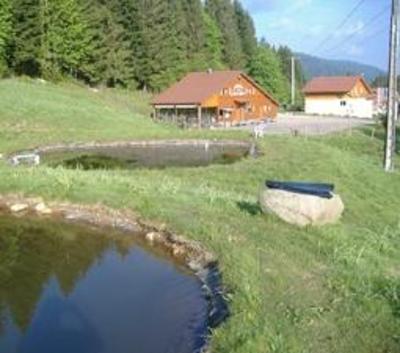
[(309, 125)]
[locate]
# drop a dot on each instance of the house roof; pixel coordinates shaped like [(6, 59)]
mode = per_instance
[(334, 84), (196, 87)]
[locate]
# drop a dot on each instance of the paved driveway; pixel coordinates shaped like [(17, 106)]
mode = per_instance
[(309, 125)]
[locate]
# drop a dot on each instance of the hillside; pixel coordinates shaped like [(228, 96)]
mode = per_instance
[(36, 112), (314, 66)]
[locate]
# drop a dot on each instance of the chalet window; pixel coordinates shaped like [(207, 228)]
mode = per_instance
[(343, 103)]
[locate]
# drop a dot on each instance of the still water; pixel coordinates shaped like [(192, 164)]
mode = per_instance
[(146, 156), (70, 289)]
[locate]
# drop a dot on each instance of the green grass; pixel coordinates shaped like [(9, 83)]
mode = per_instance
[(34, 113), (330, 289)]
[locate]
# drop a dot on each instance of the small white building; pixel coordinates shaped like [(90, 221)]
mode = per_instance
[(349, 96)]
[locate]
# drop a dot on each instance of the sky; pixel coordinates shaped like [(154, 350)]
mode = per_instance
[(313, 27)]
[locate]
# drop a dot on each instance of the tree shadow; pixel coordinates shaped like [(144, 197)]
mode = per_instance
[(252, 208)]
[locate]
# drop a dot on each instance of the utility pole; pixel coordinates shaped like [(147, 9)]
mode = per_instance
[(392, 109), (293, 81)]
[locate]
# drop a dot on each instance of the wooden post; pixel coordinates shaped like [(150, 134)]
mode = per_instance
[(199, 116), (155, 117), (176, 115)]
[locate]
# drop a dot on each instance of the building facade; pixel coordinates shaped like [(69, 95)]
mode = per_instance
[(220, 98), (347, 96)]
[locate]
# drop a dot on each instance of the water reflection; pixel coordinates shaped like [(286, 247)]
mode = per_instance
[(70, 289), (152, 156)]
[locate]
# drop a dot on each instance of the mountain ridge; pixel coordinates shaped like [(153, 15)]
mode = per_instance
[(315, 66)]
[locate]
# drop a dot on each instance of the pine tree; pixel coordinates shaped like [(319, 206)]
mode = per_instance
[(285, 55), (247, 31), (224, 14), (66, 39), (5, 32), (28, 36), (213, 43), (159, 55), (266, 69), (110, 57), (194, 34)]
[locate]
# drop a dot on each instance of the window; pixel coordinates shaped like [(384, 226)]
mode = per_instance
[(343, 103)]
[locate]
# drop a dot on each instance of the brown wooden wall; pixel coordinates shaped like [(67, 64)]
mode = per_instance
[(244, 100)]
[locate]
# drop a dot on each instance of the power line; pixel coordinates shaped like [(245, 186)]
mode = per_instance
[(368, 37), (371, 21), (341, 24)]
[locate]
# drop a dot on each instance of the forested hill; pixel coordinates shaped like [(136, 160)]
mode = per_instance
[(314, 66), (143, 44)]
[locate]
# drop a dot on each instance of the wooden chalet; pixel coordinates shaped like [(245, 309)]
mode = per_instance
[(219, 98)]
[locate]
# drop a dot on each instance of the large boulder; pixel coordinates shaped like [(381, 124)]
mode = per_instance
[(301, 209)]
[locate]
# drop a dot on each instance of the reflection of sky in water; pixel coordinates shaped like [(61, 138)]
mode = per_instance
[(136, 303)]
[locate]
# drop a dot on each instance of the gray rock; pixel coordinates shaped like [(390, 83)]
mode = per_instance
[(300, 209), (18, 207), (41, 208)]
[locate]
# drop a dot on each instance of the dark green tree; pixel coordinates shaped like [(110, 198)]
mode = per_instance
[(110, 56), (223, 12), (213, 43), (246, 30), (5, 33), (285, 55), (28, 36), (66, 40), (266, 69), (158, 52)]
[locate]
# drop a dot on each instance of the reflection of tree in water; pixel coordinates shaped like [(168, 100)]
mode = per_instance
[(32, 252)]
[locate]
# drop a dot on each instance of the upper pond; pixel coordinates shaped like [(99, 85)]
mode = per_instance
[(70, 289), (144, 154)]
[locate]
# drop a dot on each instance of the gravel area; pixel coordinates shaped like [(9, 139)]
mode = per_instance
[(309, 125)]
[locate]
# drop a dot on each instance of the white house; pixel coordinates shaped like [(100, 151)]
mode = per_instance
[(349, 96)]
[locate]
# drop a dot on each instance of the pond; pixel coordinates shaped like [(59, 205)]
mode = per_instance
[(71, 289), (141, 154)]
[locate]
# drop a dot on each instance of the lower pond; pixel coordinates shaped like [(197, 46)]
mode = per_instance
[(140, 154), (71, 289)]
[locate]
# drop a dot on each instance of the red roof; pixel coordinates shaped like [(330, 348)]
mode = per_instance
[(333, 84), (196, 87)]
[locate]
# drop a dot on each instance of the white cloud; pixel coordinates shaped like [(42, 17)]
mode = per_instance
[(300, 4), (284, 6), (355, 51), (355, 28)]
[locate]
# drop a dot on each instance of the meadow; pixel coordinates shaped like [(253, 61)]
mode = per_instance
[(291, 290)]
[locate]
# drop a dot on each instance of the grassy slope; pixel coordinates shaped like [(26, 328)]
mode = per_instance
[(35, 113), (331, 289)]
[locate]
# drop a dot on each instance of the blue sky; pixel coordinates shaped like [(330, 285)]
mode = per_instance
[(304, 24)]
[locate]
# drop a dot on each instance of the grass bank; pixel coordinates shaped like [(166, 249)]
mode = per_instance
[(331, 289)]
